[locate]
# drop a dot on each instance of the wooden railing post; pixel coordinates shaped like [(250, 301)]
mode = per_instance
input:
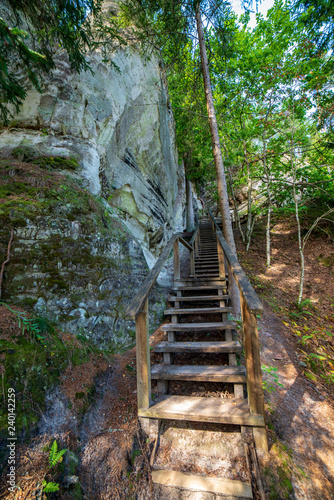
[(221, 259), (143, 358), (192, 263), (176, 260), (253, 369)]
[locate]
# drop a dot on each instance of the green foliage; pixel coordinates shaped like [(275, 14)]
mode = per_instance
[(50, 487), (31, 155), (272, 372), (55, 456), (33, 362), (77, 26)]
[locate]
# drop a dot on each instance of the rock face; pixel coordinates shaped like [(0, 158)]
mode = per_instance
[(118, 124), (114, 129), (71, 261)]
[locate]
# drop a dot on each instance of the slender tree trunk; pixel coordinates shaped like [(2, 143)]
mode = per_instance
[(7, 259), (267, 173), (190, 208), (295, 199), (218, 159), (249, 225), (235, 208), (268, 242)]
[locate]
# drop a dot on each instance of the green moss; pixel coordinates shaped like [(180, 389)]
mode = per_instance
[(57, 162), (28, 302), (29, 154), (33, 362), (25, 153)]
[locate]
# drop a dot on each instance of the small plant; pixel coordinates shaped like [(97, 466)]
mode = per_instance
[(29, 325), (55, 458), (272, 371), (50, 487)]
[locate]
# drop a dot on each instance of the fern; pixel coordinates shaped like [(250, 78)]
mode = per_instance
[(55, 456), (30, 325), (50, 487)]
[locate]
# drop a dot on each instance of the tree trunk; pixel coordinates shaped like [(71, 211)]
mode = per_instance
[(190, 208), (218, 159), (249, 224), (267, 173)]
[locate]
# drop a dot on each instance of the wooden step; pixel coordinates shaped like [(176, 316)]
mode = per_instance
[(190, 482), (199, 265), (207, 263), (201, 280), (199, 373), (199, 310), (201, 409), (205, 275), (181, 327), (199, 287), (214, 347), (196, 298)]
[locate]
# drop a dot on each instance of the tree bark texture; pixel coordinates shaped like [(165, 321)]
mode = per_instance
[(218, 159), (190, 208)]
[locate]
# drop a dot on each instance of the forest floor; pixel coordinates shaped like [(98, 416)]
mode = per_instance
[(109, 457), (297, 354)]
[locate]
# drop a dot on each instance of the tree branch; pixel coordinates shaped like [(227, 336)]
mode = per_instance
[(7, 259)]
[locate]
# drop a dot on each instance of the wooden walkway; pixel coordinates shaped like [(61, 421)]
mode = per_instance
[(201, 328)]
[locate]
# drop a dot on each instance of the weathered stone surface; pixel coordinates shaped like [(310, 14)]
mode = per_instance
[(119, 125), (71, 260)]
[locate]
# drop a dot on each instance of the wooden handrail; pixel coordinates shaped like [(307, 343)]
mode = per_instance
[(136, 305), (250, 296), (191, 242), (185, 244), (250, 308)]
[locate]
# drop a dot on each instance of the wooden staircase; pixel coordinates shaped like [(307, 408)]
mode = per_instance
[(201, 330)]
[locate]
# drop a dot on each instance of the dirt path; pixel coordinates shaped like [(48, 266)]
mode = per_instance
[(302, 418)]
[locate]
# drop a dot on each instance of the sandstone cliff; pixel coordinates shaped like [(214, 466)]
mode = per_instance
[(110, 133)]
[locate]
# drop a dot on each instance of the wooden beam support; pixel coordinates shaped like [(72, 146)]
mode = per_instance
[(253, 369), (143, 358), (137, 303)]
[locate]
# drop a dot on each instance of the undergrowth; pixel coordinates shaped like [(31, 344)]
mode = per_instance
[(311, 326), (32, 360)]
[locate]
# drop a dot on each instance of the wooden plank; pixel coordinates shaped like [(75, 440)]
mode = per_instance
[(199, 310), (201, 409), (191, 242), (196, 298), (221, 258), (201, 281), (215, 347), (210, 261), (190, 482), (199, 287), (179, 327), (137, 303), (143, 358), (186, 244), (252, 359), (200, 276), (245, 287), (208, 265), (203, 373)]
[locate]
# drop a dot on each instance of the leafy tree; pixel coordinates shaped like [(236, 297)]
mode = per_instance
[(318, 17), (29, 40)]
